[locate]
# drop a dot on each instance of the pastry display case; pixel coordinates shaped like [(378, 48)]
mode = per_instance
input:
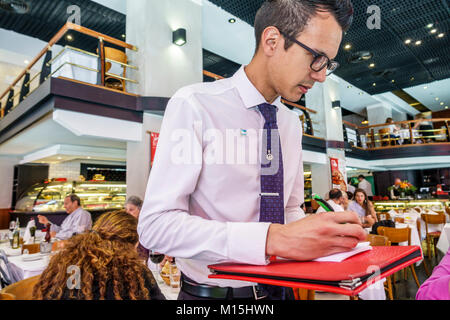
[(94, 195), (432, 204)]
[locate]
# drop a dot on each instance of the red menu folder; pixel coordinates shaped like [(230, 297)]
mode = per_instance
[(348, 277)]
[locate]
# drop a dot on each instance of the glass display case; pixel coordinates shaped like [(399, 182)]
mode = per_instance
[(433, 204), (94, 195)]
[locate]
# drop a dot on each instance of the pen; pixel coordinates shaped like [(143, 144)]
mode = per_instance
[(322, 203)]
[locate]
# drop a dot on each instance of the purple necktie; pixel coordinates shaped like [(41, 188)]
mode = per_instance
[(272, 204)]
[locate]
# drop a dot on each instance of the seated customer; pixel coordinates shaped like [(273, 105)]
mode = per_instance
[(109, 266), (364, 208), (335, 201), (78, 221), (437, 286)]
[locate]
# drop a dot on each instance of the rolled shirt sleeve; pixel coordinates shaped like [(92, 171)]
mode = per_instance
[(78, 221)]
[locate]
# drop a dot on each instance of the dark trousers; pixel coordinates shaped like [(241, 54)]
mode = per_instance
[(274, 293)]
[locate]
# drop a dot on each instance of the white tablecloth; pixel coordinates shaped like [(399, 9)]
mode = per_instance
[(444, 240)]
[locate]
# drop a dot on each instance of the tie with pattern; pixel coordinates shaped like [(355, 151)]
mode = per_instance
[(271, 205)]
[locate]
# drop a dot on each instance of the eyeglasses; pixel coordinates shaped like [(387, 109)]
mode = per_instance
[(320, 60)]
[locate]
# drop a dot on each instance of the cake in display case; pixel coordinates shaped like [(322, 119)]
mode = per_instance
[(94, 195)]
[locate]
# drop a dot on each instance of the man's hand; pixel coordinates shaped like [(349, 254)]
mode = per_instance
[(166, 258), (315, 236), (43, 220)]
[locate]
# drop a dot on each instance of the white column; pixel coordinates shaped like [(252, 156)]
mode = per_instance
[(163, 67), (321, 179), (6, 177), (378, 113)]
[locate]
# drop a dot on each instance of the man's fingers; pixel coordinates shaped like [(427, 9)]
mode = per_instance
[(346, 217), (351, 230)]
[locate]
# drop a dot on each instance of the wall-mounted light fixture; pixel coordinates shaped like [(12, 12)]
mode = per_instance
[(336, 104), (179, 37)]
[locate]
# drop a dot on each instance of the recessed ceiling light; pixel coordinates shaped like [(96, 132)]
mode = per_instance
[(418, 42), (425, 87), (232, 20), (26, 62), (374, 84), (59, 158), (361, 93), (349, 87), (408, 41), (348, 46), (430, 25), (392, 80), (123, 36), (442, 103), (446, 107), (440, 35), (412, 79), (437, 99), (372, 65), (433, 31), (69, 37)]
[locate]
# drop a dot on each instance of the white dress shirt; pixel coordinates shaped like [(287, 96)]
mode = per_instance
[(78, 221), (366, 186), (204, 212), (336, 207)]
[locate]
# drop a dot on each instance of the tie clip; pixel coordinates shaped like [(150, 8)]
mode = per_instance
[(268, 194)]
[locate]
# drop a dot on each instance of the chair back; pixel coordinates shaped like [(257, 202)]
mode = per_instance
[(383, 216), (396, 235), (432, 219), (32, 248), (399, 220), (22, 290), (383, 131), (114, 54), (7, 296), (377, 240)]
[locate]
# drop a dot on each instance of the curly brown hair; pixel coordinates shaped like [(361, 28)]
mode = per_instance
[(107, 259)]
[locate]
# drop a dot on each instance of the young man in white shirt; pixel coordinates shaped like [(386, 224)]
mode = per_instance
[(204, 202), (336, 200)]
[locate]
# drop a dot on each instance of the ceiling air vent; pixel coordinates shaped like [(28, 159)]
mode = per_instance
[(360, 56), (15, 6)]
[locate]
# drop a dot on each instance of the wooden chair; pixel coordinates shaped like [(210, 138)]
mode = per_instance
[(377, 240), (304, 294), (119, 56), (396, 236), (432, 237), (385, 137), (32, 248), (399, 220), (22, 290), (7, 296)]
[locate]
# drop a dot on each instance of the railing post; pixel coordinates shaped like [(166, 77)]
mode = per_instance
[(101, 57), (25, 89), (411, 133), (46, 67), (10, 102)]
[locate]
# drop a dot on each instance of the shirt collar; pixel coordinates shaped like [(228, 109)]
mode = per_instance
[(250, 96)]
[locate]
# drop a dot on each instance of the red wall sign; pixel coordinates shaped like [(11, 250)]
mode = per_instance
[(154, 136)]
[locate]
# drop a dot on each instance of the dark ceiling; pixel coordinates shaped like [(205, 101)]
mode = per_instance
[(407, 65), (46, 17)]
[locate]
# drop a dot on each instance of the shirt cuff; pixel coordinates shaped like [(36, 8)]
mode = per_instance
[(247, 242)]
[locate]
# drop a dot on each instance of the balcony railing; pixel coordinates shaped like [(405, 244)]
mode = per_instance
[(102, 58)]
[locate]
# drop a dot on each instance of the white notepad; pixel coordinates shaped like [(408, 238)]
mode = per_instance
[(338, 257)]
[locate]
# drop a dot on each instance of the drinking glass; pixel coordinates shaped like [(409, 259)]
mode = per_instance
[(174, 276)]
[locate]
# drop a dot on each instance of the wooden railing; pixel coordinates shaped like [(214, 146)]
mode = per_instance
[(102, 38), (412, 132)]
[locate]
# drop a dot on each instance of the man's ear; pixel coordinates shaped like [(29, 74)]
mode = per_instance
[(270, 40)]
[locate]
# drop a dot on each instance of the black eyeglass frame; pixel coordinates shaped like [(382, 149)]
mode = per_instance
[(330, 63)]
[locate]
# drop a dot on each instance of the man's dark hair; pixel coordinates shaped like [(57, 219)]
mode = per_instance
[(361, 176), (335, 194), (292, 16), (135, 201), (349, 195), (73, 197)]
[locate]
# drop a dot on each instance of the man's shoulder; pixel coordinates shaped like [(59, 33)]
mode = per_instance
[(204, 89)]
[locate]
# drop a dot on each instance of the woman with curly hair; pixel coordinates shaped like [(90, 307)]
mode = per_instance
[(108, 263)]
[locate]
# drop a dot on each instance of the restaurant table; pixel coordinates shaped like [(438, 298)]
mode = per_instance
[(444, 240)]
